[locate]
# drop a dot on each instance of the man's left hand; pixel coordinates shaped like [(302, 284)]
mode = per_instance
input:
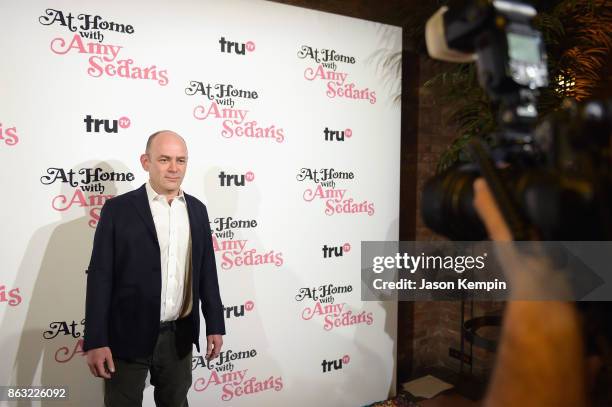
[(213, 346)]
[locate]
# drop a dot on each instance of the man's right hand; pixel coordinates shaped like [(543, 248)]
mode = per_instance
[(96, 359)]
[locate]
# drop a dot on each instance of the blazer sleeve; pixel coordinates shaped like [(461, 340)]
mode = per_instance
[(212, 307), (100, 282)]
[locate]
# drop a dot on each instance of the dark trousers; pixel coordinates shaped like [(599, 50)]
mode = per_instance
[(170, 368)]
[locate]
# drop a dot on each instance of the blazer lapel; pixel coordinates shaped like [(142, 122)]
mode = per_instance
[(141, 202), (196, 238)]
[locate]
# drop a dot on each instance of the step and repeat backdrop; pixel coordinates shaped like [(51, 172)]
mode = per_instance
[(293, 130)]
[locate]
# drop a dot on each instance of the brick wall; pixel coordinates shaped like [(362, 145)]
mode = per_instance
[(436, 325)]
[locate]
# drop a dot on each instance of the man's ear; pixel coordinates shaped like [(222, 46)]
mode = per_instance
[(145, 162)]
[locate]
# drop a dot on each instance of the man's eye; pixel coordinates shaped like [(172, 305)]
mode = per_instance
[(163, 160)]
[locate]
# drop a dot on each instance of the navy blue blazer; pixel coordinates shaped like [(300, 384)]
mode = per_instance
[(122, 309)]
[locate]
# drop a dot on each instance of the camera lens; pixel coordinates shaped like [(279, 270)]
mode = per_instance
[(447, 204)]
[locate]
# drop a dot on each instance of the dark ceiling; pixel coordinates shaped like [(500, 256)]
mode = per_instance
[(383, 11)]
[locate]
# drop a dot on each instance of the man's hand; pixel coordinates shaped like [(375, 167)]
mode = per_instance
[(96, 359), (213, 346), (489, 212), (531, 277), (550, 371)]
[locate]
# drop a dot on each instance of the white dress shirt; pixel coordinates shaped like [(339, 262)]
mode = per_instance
[(173, 233)]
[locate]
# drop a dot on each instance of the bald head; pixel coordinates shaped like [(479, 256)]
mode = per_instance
[(165, 159), (163, 133)]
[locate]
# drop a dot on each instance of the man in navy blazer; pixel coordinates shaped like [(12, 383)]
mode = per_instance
[(151, 265)]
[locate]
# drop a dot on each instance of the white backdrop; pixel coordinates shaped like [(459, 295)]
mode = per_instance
[(79, 96)]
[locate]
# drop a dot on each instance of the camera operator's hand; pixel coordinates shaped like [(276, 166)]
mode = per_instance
[(539, 361), (529, 272), (489, 213)]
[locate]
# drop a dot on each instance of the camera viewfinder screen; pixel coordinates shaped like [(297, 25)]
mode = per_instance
[(524, 48)]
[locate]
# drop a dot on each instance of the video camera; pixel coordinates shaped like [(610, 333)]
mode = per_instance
[(552, 180)]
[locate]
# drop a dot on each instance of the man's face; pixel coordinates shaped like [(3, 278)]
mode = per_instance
[(166, 163)]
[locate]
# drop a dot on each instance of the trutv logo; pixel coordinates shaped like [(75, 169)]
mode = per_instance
[(337, 135), (238, 180), (237, 311), (232, 47), (335, 251), (93, 125), (336, 364)]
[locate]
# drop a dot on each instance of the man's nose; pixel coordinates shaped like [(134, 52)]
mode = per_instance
[(173, 166)]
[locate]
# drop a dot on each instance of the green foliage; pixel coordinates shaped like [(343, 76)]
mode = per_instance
[(471, 110)]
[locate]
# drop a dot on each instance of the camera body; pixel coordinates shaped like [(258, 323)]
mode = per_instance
[(552, 180)]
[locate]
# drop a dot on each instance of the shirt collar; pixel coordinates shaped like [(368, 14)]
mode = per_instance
[(152, 195)]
